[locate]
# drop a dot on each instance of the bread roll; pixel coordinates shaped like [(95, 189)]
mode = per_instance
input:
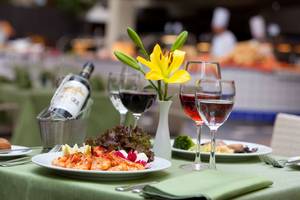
[(4, 144)]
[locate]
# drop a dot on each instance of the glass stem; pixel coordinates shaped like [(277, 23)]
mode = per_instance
[(198, 154), (136, 119), (122, 118), (212, 159)]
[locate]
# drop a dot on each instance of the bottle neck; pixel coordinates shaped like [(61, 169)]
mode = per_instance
[(87, 70), (85, 75)]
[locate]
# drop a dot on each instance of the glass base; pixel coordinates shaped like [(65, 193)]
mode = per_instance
[(194, 166)]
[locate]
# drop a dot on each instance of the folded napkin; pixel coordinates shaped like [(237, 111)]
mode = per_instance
[(208, 184)]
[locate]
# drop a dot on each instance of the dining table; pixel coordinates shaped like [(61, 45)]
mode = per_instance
[(30, 181)]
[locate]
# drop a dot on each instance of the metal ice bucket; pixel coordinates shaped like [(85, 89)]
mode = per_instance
[(69, 131)]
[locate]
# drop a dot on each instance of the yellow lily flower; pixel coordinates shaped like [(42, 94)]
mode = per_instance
[(165, 67)]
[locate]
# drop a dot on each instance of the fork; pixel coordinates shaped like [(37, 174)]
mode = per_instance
[(56, 148), (15, 162), (276, 163), (271, 161)]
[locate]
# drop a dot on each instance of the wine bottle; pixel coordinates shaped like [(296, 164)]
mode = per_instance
[(72, 94)]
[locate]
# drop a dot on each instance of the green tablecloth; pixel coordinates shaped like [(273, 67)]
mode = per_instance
[(33, 182), (32, 102)]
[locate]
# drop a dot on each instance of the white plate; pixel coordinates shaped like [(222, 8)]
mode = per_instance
[(45, 160), (261, 149), (16, 153)]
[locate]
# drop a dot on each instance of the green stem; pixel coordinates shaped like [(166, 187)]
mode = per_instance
[(159, 90), (151, 82), (166, 91), (144, 52)]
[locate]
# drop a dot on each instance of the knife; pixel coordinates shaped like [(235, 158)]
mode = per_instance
[(7, 151), (292, 162)]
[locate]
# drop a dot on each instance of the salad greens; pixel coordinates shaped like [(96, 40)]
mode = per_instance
[(124, 138)]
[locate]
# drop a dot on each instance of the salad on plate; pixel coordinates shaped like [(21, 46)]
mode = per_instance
[(118, 149)]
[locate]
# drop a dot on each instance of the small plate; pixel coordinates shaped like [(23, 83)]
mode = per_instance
[(16, 152), (261, 150), (45, 160)]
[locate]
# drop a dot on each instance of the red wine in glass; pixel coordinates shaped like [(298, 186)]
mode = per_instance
[(137, 102), (189, 106), (215, 112)]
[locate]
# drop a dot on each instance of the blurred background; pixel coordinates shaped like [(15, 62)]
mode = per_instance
[(257, 43)]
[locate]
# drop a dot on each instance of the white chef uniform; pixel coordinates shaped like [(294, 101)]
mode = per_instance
[(258, 27), (222, 43)]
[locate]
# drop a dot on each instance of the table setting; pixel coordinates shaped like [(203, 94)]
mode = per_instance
[(125, 162)]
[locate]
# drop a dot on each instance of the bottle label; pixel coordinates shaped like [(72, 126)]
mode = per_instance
[(70, 97)]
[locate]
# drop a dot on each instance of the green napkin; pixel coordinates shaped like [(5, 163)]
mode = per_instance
[(208, 184)]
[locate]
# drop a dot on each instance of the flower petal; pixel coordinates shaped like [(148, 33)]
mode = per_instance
[(178, 58), (156, 55), (160, 60), (154, 75), (180, 76), (146, 63), (165, 65)]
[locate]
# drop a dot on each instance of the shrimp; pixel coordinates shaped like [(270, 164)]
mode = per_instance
[(98, 151), (135, 166), (101, 163), (100, 159), (117, 161), (85, 163), (73, 159), (120, 167), (60, 161)]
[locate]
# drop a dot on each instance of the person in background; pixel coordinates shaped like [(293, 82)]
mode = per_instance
[(274, 36), (6, 31), (259, 35), (224, 40), (273, 30), (258, 28)]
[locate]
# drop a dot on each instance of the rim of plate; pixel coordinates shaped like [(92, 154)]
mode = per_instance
[(17, 153), (262, 149), (36, 159)]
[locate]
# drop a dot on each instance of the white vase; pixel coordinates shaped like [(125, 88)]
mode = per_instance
[(162, 144)]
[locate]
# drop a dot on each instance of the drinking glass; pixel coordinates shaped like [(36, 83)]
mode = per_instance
[(135, 96), (198, 70), (114, 80), (214, 112)]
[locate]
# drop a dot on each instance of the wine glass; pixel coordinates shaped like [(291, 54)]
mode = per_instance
[(214, 112), (114, 80), (198, 70), (135, 95)]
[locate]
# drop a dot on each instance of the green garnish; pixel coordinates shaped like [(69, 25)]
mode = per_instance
[(183, 142)]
